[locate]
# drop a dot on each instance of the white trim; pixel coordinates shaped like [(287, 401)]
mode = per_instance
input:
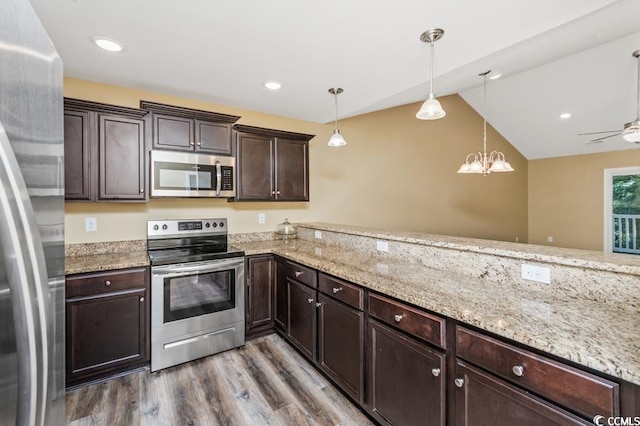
[(608, 202)]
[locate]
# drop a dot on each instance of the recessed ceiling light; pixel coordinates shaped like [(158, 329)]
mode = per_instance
[(495, 76), (272, 84), (566, 115), (108, 44)]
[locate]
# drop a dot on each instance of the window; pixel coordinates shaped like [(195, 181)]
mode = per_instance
[(622, 210)]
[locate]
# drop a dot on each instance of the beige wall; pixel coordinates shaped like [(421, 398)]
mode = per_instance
[(566, 198), (396, 172)]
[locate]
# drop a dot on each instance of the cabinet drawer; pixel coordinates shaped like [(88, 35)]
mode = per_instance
[(418, 323), (574, 389), (350, 294), (302, 273), (86, 284)]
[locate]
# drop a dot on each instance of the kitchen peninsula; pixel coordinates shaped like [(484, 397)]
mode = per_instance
[(584, 322)]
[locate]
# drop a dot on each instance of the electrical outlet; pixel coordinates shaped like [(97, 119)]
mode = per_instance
[(318, 235), (550, 239), (90, 224), (536, 273), (382, 246), (382, 268), (317, 251), (262, 218)]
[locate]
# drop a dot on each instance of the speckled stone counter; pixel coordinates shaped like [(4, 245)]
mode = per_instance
[(95, 257), (605, 337)]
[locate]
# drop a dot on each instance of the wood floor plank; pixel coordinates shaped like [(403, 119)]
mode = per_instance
[(266, 382)]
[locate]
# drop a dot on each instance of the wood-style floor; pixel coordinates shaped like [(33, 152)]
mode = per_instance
[(263, 383)]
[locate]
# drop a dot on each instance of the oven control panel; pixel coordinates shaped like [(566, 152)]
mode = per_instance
[(165, 228)]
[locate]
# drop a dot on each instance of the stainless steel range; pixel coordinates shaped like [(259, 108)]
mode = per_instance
[(197, 290)]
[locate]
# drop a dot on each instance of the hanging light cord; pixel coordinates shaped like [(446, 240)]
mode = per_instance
[(484, 126), (335, 98), (431, 80), (638, 94)]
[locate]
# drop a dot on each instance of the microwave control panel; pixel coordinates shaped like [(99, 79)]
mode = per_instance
[(227, 178)]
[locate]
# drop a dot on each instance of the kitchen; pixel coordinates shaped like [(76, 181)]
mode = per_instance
[(346, 184)]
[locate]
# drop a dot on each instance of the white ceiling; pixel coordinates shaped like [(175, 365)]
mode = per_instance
[(556, 56)]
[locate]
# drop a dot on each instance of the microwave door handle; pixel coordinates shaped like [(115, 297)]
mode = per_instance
[(218, 178)]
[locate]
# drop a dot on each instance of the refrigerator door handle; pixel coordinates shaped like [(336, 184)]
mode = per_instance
[(21, 247)]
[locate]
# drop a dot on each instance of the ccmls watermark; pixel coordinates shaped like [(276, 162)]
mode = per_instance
[(616, 421)]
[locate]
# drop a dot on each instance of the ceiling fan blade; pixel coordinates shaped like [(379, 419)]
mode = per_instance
[(599, 140), (598, 133)]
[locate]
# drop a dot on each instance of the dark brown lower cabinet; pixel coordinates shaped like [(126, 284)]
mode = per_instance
[(106, 324), (280, 302), (301, 313), (341, 345), (406, 379), (259, 300), (483, 399)]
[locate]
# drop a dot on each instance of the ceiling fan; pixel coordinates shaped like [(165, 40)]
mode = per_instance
[(631, 130)]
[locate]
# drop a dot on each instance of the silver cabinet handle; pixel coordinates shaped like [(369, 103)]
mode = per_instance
[(310, 300), (318, 304), (459, 382), (277, 192), (518, 370), (398, 318), (273, 192), (142, 300), (199, 144), (142, 190), (107, 283), (191, 143), (435, 372), (337, 289), (298, 273)]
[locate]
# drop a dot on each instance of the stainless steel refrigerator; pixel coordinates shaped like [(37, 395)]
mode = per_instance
[(31, 221)]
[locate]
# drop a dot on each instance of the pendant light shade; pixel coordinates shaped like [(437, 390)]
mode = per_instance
[(336, 138), (431, 108), (480, 162)]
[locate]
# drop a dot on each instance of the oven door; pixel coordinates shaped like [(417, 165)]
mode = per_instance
[(191, 297)]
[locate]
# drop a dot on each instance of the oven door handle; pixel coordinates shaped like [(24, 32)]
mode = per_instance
[(187, 269)]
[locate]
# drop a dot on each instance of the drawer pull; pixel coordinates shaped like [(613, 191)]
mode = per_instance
[(318, 304), (435, 372), (518, 370), (142, 300), (192, 143), (459, 382), (142, 190), (398, 318), (337, 289), (298, 273), (107, 283), (310, 300)]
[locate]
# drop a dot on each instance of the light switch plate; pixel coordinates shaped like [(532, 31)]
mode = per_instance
[(318, 235)]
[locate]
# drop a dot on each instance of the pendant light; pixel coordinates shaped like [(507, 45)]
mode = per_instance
[(336, 138), (431, 108), (631, 132), (480, 162)]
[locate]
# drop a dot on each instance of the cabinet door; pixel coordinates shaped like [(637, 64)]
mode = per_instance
[(281, 295), (213, 138), (121, 149), (254, 166), (77, 184), (341, 345), (175, 133), (407, 380), (302, 317), (106, 332), (292, 170), (260, 291), (483, 399)]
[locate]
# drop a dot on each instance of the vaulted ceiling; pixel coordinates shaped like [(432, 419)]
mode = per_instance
[(556, 56)]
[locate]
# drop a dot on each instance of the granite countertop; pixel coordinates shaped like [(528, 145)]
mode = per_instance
[(605, 338), (105, 262), (612, 262)]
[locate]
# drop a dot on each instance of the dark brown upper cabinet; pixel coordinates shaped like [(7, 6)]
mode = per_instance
[(272, 165), (186, 129), (105, 152)]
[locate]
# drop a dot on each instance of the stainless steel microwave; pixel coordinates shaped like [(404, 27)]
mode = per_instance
[(180, 174)]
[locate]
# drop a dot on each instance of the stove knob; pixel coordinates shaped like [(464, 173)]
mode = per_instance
[(156, 227), (164, 227), (206, 225), (215, 225), (221, 224)]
